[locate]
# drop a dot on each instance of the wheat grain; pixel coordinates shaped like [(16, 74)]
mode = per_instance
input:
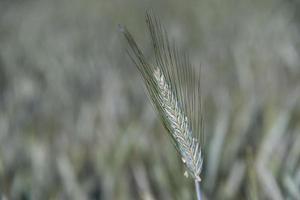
[(174, 89), (181, 132)]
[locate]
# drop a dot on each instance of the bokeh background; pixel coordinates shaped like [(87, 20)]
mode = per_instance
[(75, 121)]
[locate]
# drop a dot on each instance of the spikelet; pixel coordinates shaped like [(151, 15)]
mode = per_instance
[(174, 88)]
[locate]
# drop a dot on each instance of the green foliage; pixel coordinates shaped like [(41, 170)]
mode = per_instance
[(75, 122)]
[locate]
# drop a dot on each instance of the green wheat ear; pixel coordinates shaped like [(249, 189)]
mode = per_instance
[(174, 88)]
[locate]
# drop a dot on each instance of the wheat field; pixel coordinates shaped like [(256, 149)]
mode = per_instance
[(76, 122)]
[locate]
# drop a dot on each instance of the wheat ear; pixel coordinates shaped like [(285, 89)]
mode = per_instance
[(174, 88)]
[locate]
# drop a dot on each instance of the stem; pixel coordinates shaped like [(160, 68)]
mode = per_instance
[(198, 191)]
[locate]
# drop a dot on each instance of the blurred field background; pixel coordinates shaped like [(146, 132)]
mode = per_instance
[(75, 121)]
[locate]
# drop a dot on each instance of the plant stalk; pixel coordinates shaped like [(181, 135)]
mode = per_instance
[(198, 190)]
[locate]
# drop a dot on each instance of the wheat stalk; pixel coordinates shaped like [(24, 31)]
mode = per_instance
[(174, 88)]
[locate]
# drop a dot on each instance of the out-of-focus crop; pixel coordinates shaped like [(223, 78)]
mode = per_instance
[(75, 122)]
